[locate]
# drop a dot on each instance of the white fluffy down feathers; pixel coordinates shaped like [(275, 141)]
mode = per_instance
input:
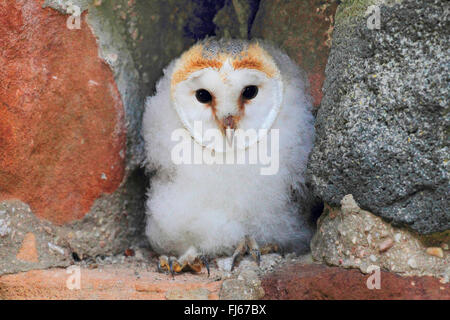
[(212, 207)]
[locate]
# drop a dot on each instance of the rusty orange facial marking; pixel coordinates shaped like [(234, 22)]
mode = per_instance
[(266, 67), (248, 63), (253, 57), (192, 66), (213, 104), (241, 103), (256, 58)]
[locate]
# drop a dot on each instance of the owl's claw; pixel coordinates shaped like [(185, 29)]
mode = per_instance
[(163, 264), (190, 261), (173, 263), (240, 251), (256, 256), (254, 249), (169, 265), (247, 245), (205, 261)]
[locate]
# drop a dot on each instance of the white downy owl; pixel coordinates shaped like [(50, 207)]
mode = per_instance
[(217, 107)]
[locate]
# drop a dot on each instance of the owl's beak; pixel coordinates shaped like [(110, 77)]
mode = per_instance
[(229, 125)]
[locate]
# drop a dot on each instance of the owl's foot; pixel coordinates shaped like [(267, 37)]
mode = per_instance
[(247, 245), (250, 246), (190, 261)]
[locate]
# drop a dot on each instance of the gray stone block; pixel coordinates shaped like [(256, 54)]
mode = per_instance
[(383, 125)]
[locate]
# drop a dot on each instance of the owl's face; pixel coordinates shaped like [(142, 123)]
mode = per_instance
[(226, 90)]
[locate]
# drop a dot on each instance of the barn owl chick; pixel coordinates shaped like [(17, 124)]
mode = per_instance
[(228, 134)]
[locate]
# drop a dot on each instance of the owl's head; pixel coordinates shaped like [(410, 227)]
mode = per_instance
[(226, 85)]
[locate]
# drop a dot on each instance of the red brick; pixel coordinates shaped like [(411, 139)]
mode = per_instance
[(109, 282), (315, 281), (61, 115)]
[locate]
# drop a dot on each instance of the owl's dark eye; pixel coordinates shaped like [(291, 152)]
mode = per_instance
[(250, 92), (203, 96)]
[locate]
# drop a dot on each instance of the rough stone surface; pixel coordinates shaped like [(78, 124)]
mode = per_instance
[(246, 287), (303, 29), (353, 238), (106, 283), (382, 129), (244, 282), (235, 18), (192, 294), (28, 251), (267, 263), (134, 278), (318, 282), (111, 227), (28, 243)]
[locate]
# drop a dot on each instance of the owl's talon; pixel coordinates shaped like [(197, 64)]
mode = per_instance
[(204, 259), (254, 249), (163, 264), (256, 255), (240, 251), (234, 262), (168, 265), (171, 261), (250, 246), (190, 261)]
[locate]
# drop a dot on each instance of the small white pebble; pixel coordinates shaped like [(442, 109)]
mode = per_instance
[(412, 263)]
